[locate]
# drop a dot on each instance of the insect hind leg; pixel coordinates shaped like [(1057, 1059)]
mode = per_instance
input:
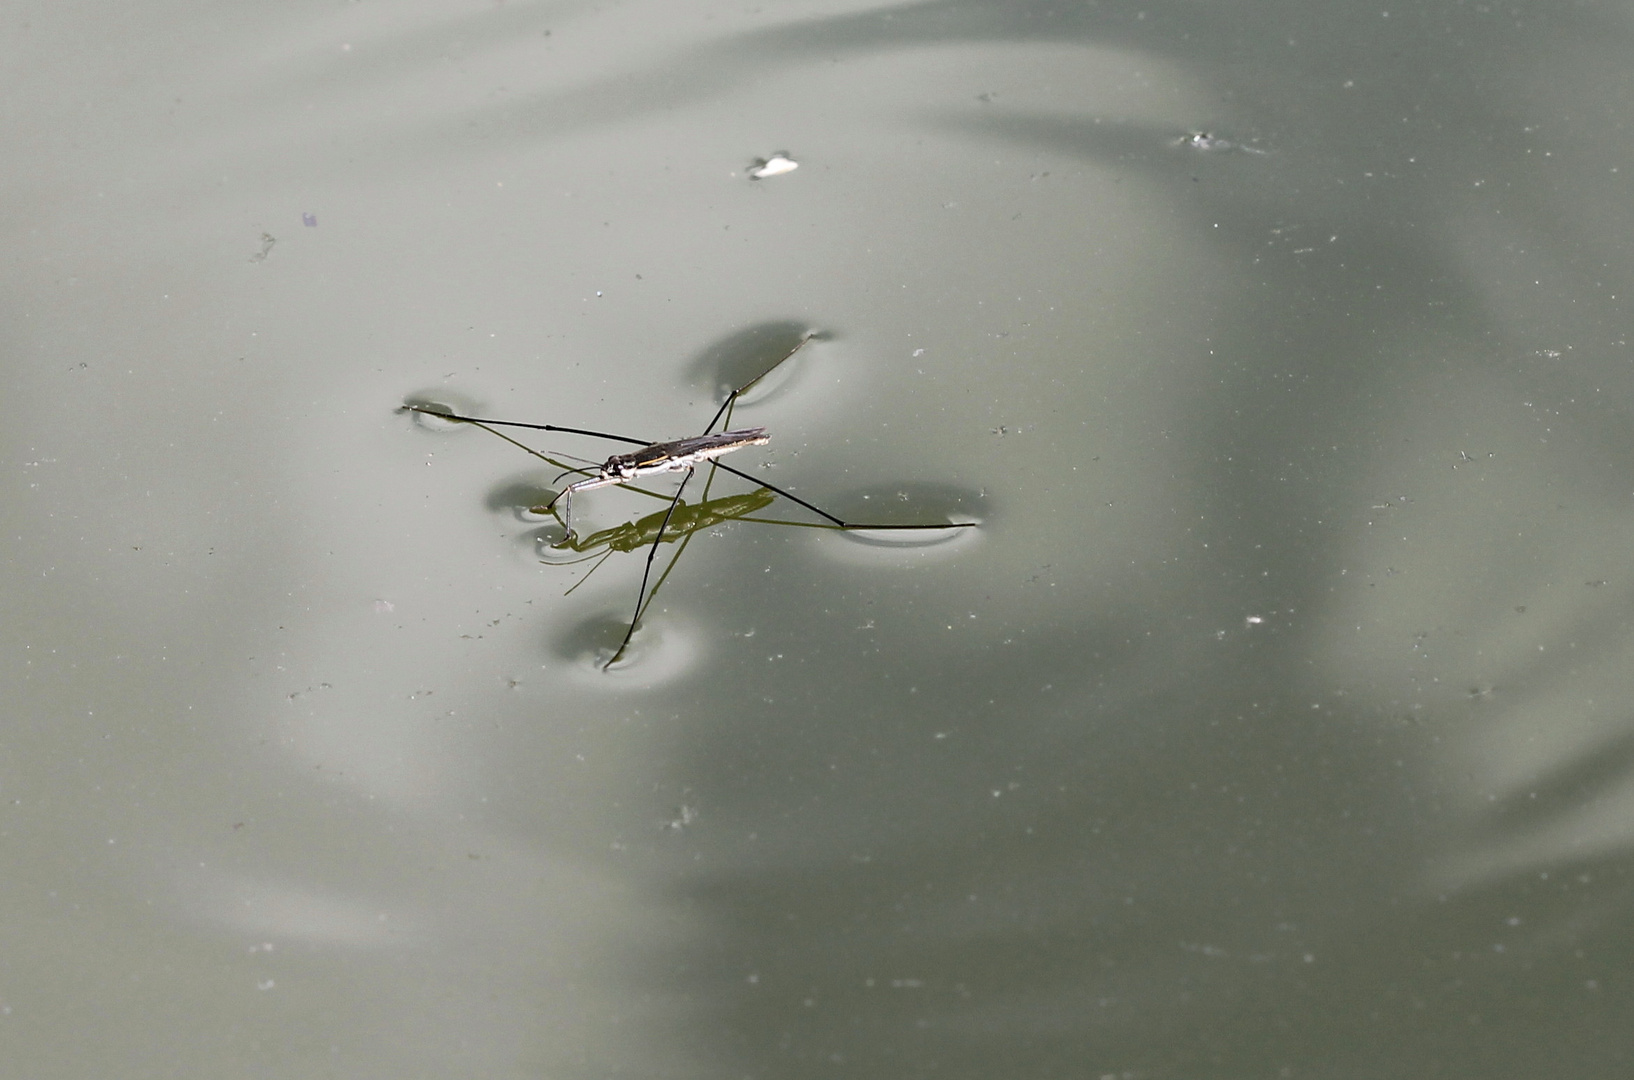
[(646, 573)]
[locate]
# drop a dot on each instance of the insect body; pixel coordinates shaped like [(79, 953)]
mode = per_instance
[(681, 455)]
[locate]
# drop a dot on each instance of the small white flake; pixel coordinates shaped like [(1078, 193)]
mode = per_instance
[(776, 165)]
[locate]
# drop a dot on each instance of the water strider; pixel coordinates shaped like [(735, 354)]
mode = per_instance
[(681, 455), (678, 520)]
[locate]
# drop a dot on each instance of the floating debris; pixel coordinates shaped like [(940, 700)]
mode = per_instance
[(776, 165), (1211, 143)]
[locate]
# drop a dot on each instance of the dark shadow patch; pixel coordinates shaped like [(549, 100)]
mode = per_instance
[(520, 497), (749, 355)]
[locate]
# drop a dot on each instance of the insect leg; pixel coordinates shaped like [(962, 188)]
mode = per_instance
[(680, 549), (565, 496), (439, 414), (731, 399), (820, 512), (652, 552)]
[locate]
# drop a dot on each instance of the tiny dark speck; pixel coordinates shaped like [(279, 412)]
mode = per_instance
[(309, 220)]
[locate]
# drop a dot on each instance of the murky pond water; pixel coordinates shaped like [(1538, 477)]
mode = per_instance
[(1269, 718)]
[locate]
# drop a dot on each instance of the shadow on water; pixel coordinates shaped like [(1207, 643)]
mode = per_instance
[(520, 498), (1177, 856), (765, 349), (1326, 772), (1193, 861)]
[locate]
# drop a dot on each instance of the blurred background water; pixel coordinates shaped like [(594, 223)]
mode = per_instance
[(1273, 722)]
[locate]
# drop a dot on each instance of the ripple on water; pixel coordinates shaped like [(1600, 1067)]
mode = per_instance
[(664, 648), (523, 498), (902, 506), (415, 406), (542, 543), (770, 349)]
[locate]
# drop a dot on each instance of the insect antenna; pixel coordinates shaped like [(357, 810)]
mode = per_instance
[(570, 472), (575, 457)]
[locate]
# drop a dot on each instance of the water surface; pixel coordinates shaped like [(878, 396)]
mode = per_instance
[(1272, 722)]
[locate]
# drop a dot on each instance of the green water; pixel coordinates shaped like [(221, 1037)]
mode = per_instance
[(1271, 722)]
